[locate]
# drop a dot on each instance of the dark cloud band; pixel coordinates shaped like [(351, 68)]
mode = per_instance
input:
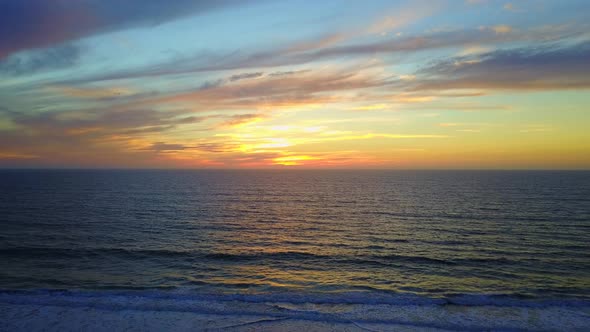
[(26, 24)]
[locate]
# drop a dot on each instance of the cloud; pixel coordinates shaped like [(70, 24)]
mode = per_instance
[(99, 124), (92, 93), (212, 147), (10, 155), (286, 56), (91, 138), (61, 57), (216, 147), (398, 18), (321, 42), (273, 92), (242, 119), (510, 7), (26, 24), (290, 72), (161, 146), (404, 16), (243, 76), (536, 128), (368, 87), (534, 68), (502, 29)]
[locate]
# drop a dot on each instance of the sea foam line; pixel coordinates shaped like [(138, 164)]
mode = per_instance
[(446, 316)]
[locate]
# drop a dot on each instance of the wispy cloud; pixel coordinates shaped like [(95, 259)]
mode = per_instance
[(102, 137), (273, 92), (242, 119), (162, 146), (244, 76), (533, 68), (287, 56), (376, 84)]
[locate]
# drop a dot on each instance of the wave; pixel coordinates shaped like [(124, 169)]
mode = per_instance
[(372, 297), (287, 256), (368, 311)]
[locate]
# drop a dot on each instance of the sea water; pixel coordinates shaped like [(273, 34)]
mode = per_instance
[(321, 238)]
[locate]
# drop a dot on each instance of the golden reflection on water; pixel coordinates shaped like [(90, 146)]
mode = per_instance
[(429, 233)]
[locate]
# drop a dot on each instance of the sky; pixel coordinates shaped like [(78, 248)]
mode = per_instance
[(439, 84)]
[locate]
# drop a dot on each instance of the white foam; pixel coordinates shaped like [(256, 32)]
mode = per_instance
[(113, 311)]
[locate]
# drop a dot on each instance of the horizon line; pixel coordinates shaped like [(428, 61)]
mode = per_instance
[(288, 168)]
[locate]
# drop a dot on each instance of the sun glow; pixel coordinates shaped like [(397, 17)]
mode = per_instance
[(399, 83)]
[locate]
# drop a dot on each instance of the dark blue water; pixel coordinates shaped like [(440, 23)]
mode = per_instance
[(431, 234)]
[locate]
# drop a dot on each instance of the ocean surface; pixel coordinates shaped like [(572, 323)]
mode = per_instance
[(502, 238)]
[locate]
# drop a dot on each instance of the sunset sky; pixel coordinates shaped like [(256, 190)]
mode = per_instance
[(330, 84)]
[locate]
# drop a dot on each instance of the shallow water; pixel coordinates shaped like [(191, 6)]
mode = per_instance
[(481, 237)]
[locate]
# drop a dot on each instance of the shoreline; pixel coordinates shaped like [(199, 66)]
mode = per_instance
[(104, 311)]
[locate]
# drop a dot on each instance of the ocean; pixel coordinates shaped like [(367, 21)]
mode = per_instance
[(504, 239)]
